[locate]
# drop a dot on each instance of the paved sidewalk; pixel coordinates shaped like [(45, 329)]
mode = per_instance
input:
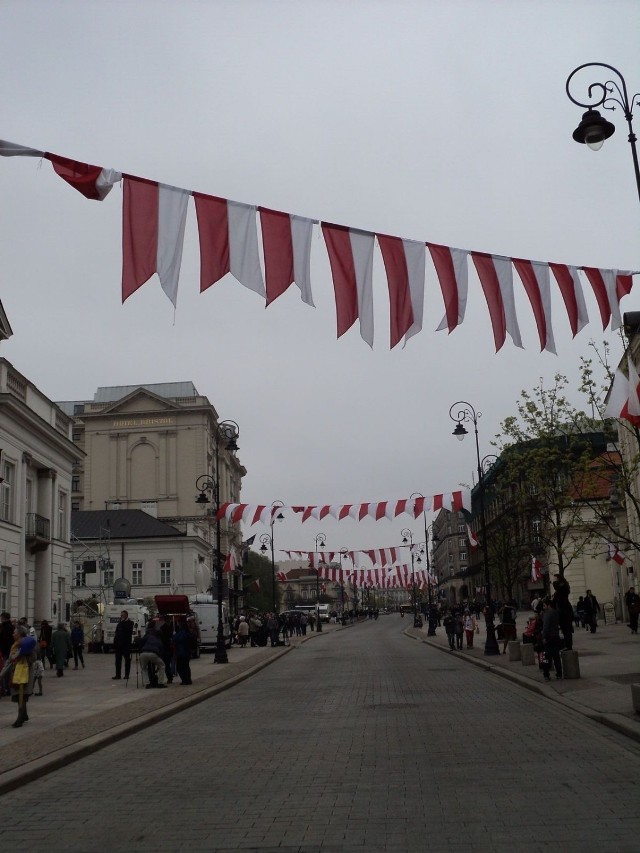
[(609, 664), (86, 709)]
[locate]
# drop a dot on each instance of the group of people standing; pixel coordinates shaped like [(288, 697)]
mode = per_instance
[(164, 651)]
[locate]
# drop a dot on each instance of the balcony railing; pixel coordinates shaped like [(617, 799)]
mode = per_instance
[(37, 530)]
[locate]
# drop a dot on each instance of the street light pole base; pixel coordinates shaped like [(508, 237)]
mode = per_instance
[(221, 655)]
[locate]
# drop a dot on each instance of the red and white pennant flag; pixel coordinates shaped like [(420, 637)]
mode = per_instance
[(614, 554), (536, 569)]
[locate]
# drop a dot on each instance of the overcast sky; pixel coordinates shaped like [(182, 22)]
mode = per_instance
[(440, 121)]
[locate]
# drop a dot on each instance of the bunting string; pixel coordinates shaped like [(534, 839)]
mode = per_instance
[(154, 218)]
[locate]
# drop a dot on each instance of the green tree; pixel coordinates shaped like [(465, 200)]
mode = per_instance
[(547, 450), (258, 568)]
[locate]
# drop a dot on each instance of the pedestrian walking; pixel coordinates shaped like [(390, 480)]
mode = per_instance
[(44, 643), (273, 626), (508, 618), (469, 624), (38, 672), (122, 639), (632, 600), (183, 643), (61, 648), (565, 610), (551, 639), (19, 667), (449, 623), (591, 610), (459, 629), (243, 632), (77, 644), (6, 641)]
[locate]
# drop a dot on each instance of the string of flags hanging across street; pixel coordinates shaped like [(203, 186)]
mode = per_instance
[(153, 229)]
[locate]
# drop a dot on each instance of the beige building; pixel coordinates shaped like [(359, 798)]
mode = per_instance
[(35, 498), (144, 447)]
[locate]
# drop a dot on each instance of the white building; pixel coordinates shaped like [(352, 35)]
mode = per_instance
[(35, 498), (156, 558)]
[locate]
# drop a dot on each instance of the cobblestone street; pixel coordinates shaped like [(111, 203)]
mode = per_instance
[(361, 739)]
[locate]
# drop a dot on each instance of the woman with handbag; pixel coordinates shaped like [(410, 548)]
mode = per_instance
[(20, 665)]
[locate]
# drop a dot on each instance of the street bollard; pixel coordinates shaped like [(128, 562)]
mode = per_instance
[(527, 654), (570, 663), (514, 650)]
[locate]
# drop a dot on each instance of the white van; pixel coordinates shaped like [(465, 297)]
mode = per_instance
[(323, 612), (138, 613), (206, 609)]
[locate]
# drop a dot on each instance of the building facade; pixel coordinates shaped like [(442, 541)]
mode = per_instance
[(143, 448), (36, 466), (156, 558)]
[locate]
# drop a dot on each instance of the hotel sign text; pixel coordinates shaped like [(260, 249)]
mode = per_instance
[(137, 422)]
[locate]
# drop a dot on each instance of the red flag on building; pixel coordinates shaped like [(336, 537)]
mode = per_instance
[(615, 555)]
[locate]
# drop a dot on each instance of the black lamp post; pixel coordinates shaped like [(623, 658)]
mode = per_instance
[(344, 555), (464, 412), (594, 129), (321, 539), (227, 432), (407, 536), (433, 616), (266, 541)]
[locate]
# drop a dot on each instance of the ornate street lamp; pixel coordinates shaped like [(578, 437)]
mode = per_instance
[(433, 621), (407, 537), (321, 540), (227, 432), (266, 541), (594, 129), (463, 412)]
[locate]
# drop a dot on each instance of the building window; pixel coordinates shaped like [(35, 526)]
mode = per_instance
[(136, 573), (461, 528), (78, 575), (5, 583), (78, 408), (7, 491), (75, 484), (462, 543), (62, 516), (165, 571), (462, 556), (75, 506), (108, 573), (76, 435), (536, 530), (451, 558)]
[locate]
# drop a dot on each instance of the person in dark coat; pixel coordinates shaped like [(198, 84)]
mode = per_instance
[(122, 639), (183, 644), (151, 651), (77, 644), (449, 623), (551, 639), (632, 600), (6, 641), (591, 610), (564, 608), (60, 648)]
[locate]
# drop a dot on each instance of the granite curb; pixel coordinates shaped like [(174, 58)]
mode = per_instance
[(614, 721)]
